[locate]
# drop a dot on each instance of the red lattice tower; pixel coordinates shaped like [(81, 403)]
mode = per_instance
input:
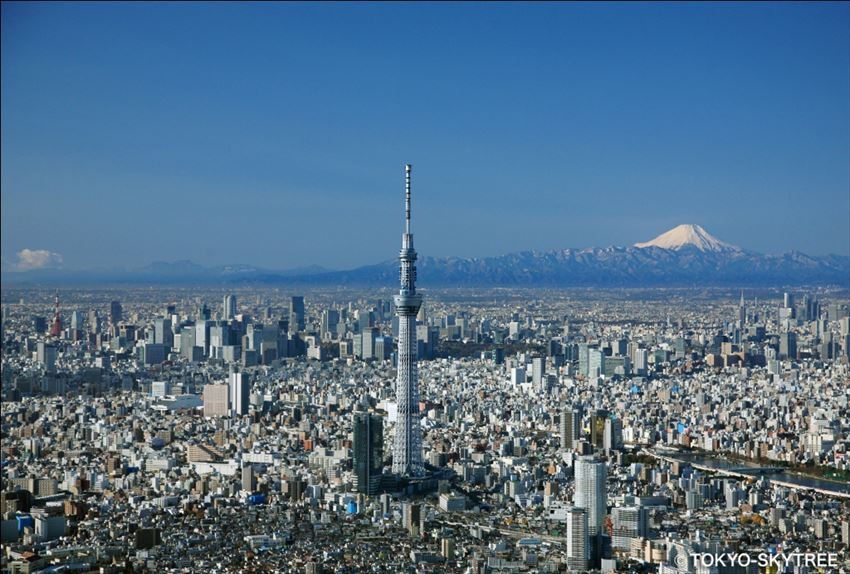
[(56, 326)]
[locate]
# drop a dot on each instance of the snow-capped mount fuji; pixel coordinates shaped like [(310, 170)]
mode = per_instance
[(689, 235)]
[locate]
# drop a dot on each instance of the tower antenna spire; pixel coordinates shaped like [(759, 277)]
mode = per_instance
[(407, 169)]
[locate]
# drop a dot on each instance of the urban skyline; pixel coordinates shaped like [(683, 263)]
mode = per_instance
[(533, 118), (595, 434), (678, 404), (561, 431)]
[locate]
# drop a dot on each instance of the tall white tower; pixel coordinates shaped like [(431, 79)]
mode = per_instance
[(407, 449)]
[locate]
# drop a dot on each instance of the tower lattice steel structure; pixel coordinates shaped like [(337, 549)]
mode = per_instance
[(407, 449)]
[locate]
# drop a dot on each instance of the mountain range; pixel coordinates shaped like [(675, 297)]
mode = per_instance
[(687, 255)]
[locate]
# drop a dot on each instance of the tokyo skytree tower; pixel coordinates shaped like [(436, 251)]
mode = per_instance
[(407, 449)]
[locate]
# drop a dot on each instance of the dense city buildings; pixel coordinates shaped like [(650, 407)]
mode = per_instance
[(216, 359), (249, 442)]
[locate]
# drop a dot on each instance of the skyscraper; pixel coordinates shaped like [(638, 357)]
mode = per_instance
[(248, 477), (742, 312), (578, 548), (788, 345), (612, 435), (595, 363), (296, 313), (163, 333), (570, 423), (590, 491), (115, 313), (94, 321), (407, 450), (368, 452), (240, 392), (76, 321), (538, 371), (597, 427), (229, 307), (46, 355)]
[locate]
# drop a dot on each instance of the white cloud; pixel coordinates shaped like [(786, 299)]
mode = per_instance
[(29, 259)]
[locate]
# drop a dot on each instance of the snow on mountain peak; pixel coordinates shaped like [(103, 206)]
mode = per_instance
[(689, 234)]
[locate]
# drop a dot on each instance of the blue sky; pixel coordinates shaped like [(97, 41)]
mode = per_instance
[(276, 134)]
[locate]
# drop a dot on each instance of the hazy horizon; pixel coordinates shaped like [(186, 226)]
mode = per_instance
[(276, 135), (35, 257)]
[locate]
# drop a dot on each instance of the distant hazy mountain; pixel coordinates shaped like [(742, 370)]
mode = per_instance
[(168, 272), (686, 255)]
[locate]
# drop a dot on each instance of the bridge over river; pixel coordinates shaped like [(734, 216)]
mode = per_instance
[(776, 474)]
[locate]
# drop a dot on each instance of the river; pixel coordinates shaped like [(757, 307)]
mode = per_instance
[(786, 478)]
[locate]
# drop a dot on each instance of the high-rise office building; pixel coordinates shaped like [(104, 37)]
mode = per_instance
[(330, 320), (742, 312), (641, 361), (595, 363), (229, 307), (367, 343), (187, 348), (612, 437), (76, 321), (538, 372), (383, 348), (583, 358), (202, 335), (248, 477), (788, 345), (619, 347), (240, 393), (163, 334), (518, 376), (94, 321), (219, 336), (296, 313), (407, 449), (204, 312), (570, 427), (46, 355), (116, 313), (39, 324), (254, 336), (597, 427), (411, 516), (368, 452)]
